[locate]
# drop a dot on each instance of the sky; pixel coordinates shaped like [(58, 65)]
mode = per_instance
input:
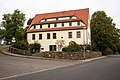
[(32, 7)]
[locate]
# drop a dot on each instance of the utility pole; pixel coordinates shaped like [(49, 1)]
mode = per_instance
[(84, 44)]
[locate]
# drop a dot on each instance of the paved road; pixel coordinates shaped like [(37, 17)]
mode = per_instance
[(10, 66), (103, 69)]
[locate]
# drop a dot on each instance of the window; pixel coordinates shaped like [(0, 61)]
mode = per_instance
[(40, 36), (45, 19), (70, 17), (70, 23), (48, 25), (41, 26), (69, 34), (52, 47), (78, 34), (34, 27), (33, 36), (56, 18), (78, 23), (54, 35), (42, 48), (48, 35), (62, 24), (55, 25)]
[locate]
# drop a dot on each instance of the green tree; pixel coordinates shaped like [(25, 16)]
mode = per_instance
[(35, 48), (29, 21), (2, 32), (12, 23), (104, 34)]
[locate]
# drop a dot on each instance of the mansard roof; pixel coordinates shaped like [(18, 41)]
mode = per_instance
[(80, 14)]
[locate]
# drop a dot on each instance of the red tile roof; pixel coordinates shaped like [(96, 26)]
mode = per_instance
[(81, 14)]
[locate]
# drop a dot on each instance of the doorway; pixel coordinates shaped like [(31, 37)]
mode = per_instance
[(52, 47)]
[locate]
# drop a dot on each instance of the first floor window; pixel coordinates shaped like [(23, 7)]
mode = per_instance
[(48, 35), (69, 34), (78, 34), (54, 35), (40, 36), (33, 36)]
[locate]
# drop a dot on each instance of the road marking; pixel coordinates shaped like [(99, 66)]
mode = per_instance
[(81, 61)]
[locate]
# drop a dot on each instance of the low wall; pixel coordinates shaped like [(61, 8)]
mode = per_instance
[(18, 51), (71, 55), (59, 55)]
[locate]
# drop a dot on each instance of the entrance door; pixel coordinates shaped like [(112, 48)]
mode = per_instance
[(52, 47)]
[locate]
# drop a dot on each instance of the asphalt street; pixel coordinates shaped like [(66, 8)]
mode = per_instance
[(103, 69), (10, 66)]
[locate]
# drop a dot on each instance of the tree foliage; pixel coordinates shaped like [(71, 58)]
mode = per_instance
[(105, 36), (29, 21), (35, 48), (12, 23)]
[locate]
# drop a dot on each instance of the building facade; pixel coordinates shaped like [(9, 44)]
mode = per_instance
[(66, 26)]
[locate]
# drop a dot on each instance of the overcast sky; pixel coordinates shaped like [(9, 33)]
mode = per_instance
[(32, 7)]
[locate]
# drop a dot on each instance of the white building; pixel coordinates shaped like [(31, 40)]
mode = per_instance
[(71, 25)]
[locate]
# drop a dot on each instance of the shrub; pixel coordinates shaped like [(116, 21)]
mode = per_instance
[(72, 47), (34, 48), (108, 51), (21, 45)]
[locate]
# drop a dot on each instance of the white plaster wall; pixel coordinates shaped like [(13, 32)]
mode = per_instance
[(51, 25), (46, 42), (74, 17), (45, 26), (74, 23), (63, 18), (59, 24), (52, 19), (37, 26), (66, 24)]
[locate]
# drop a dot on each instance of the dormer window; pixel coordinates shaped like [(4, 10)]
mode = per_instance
[(56, 18), (45, 19), (78, 23), (34, 27), (55, 25), (48, 25), (62, 24), (41, 26), (70, 23), (70, 17)]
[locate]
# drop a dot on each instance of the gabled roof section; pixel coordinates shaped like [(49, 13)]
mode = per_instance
[(81, 14)]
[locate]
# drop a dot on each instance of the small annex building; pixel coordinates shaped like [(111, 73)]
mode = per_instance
[(47, 28)]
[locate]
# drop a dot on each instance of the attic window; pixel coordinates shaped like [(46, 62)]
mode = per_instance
[(34, 27), (48, 25)]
